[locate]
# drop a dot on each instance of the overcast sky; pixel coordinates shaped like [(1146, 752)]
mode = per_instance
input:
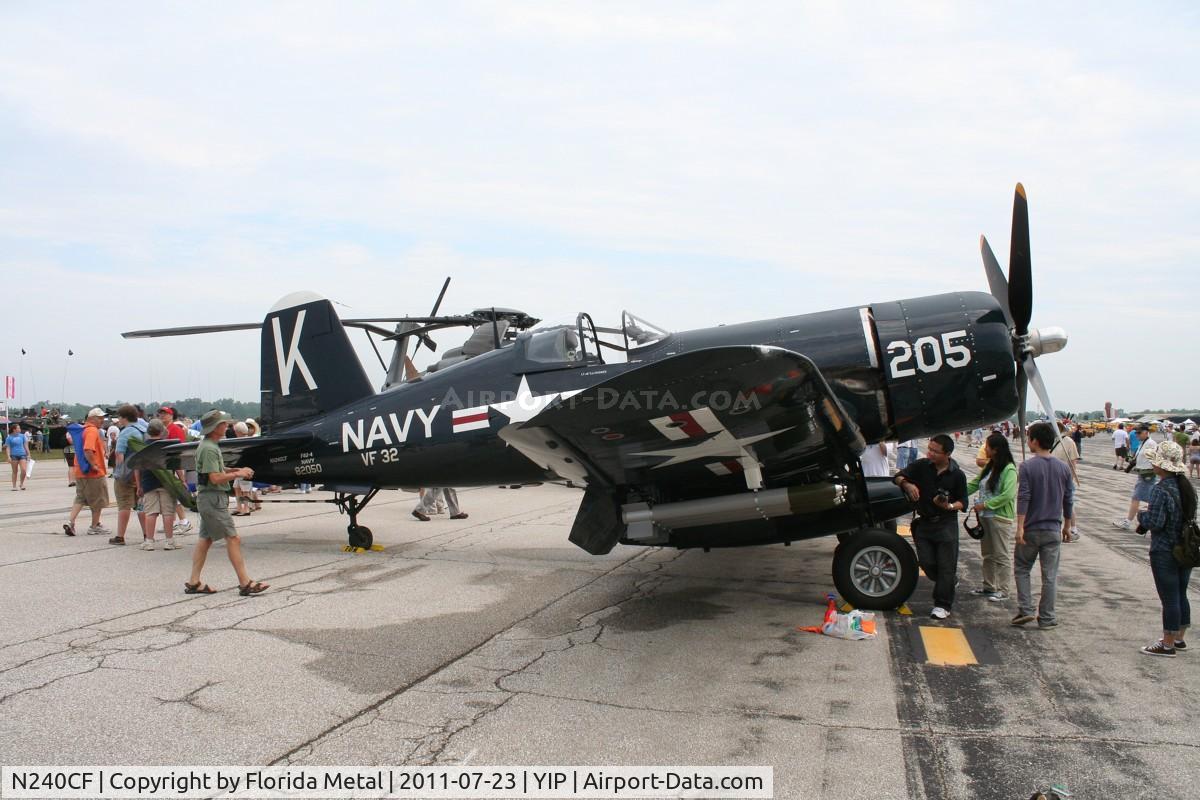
[(178, 164)]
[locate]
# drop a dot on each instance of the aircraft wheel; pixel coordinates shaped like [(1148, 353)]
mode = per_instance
[(875, 569), (360, 536)]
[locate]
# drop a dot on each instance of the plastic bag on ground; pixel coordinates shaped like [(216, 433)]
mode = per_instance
[(851, 625)]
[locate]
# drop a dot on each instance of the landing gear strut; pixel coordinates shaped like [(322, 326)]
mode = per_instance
[(347, 503)]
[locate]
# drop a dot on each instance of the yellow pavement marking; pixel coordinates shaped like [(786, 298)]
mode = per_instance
[(375, 548), (947, 647)]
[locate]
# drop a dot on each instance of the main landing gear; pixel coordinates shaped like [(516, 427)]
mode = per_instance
[(347, 503), (874, 568)]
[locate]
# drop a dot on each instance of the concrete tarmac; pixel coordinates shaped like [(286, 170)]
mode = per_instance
[(494, 641)]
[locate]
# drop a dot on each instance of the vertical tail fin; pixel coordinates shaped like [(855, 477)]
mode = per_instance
[(308, 365)]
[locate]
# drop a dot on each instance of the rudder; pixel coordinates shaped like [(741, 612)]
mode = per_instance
[(309, 367)]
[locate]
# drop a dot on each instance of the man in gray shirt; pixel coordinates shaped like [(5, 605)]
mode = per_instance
[(1045, 498)]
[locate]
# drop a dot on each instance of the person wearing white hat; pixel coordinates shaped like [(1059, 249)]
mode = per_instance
[(91, 486), (1172, 504)]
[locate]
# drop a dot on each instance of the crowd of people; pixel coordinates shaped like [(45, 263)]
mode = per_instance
[(96, 451), (152, 494), (1026, 513)]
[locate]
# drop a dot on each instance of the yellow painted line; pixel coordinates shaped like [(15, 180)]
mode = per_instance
[(947, 647)]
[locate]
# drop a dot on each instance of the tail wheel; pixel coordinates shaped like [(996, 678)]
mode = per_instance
[(360, 536), (875, 569)]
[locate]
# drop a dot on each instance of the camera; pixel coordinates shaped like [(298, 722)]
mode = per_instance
[(944, 494)]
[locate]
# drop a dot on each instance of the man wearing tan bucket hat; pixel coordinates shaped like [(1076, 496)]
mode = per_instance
[(212, 500), (1172, 505)]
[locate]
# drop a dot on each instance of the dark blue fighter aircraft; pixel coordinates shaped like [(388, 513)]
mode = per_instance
[(729, 436)]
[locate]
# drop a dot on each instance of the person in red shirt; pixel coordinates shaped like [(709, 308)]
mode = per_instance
[(176, 431)]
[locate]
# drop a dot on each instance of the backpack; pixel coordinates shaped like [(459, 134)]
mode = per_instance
[(121, 472), (1187, 550)]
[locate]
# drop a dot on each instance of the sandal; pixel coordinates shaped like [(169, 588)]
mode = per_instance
[(198, 588), (117, 540), (240, 514), (253, 587)]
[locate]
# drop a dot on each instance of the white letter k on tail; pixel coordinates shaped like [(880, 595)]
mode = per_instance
[(293, 359)]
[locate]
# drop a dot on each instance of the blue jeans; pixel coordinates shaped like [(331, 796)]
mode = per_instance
[(1171, 580), (905, 456)]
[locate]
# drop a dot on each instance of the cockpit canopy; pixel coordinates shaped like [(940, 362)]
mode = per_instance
[(556, 347)]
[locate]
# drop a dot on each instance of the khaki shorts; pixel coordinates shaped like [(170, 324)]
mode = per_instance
[(215, 522), (126, 495), (92, 492), (159, 501)]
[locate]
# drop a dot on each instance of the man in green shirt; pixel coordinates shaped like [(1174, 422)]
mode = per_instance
[(212, 500)]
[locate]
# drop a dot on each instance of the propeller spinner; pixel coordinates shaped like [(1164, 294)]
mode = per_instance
[(1015, 296)]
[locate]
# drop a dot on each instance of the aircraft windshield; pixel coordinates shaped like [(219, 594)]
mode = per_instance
[(639, 332)]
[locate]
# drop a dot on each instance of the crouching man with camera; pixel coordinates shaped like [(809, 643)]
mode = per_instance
[(939, 489)]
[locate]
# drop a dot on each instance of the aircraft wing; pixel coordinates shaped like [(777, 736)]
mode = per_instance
[(169, 454), (701, 421)]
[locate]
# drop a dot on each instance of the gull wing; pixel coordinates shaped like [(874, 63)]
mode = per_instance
[(699, 423)]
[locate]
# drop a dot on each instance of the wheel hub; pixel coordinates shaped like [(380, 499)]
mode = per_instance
[(875, 571)]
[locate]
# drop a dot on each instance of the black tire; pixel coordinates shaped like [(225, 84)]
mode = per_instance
[(875, 569), (360, 536)]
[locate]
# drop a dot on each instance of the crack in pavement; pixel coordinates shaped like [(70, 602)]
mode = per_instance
[(189, 699), (588, 630), (310, 745)]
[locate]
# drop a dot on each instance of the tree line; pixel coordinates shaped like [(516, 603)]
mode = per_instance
[(192, 407)]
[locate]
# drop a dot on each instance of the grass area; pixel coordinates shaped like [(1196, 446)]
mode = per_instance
[(49, 455)]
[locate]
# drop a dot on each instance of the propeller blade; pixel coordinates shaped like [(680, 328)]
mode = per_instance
[(1020, 269), (420, 330), (441, 294), (150, 334), (1022, 391), (423, 339), (366, 326), (996, 280), (1039, 388)]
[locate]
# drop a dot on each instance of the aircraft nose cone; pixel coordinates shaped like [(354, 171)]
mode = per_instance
[(1047, 340)]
